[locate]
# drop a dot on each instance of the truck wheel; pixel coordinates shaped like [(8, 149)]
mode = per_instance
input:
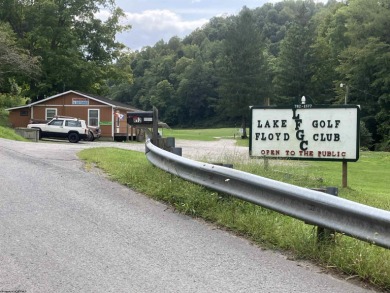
[(91, 137), (73, 137)]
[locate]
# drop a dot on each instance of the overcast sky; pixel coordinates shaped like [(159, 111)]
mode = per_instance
[(153, 20)]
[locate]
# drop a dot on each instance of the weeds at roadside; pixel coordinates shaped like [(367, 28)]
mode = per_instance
[(10, 133)]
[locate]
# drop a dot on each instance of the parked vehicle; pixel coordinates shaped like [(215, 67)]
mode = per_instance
[(71, 128), (94, 133)]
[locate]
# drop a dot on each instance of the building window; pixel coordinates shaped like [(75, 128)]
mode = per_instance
[(50, 113), (23, 112), (93, 117)]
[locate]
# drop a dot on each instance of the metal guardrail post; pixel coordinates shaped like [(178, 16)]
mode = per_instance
[(345, 175), (327, 235)]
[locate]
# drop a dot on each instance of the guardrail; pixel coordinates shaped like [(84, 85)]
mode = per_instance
[(317, 208)]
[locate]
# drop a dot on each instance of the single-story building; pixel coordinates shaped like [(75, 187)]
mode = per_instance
[(109, 115)]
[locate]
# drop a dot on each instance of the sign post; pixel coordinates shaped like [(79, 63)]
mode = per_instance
[(345, 174), (155, 126), (306, 132)]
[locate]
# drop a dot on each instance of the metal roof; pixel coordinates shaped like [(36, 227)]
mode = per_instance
[(112, 103)]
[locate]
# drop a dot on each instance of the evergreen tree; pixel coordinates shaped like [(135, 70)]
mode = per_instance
[(293, 70), (243, 72)]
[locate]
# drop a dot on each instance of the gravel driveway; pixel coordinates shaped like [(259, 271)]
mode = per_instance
[(216, 151), (197, 150)]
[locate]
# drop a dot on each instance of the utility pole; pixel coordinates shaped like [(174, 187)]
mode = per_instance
[(346, 92)]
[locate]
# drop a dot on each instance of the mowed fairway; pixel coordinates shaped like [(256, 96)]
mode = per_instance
[(369, 177), (203, 134)]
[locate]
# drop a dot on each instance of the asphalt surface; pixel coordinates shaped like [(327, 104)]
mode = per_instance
[(66, 229)]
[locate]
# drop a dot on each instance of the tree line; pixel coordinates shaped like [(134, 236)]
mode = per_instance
[(273, 54)]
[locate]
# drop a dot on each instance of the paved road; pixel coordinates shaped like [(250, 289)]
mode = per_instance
[(64, 229)]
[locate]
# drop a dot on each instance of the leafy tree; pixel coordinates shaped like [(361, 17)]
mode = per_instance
[(15, 62), (162, 95), (75, 47), (216, 29), (364, 64), (196, 92), (120, 77)]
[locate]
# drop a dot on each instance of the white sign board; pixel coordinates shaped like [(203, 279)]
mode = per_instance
[(80, 101), (305, 132)]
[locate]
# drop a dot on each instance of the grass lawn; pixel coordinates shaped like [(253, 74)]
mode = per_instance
[(368, 178), (9, 133)]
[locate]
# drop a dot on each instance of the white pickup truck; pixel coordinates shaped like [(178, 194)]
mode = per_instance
[(71, 128)]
